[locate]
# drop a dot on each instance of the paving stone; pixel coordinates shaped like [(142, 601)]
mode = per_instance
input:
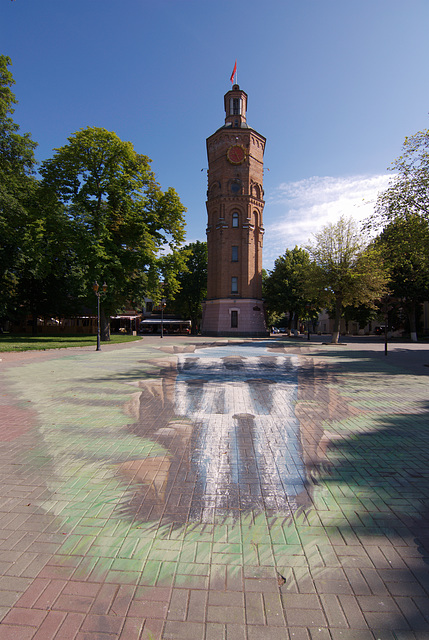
[(274, 609), (132, 629), (226, 614), (298, 633), (50, 626), (333, 610), (353, 612), (11, 632), (104, 599), (417, 619), (376, 603), (352, 634), (383, 621), (183, 630), (26, 617), (305, 618), (266, 633), (254, 608)]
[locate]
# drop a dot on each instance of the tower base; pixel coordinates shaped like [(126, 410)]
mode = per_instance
[(219, 315)]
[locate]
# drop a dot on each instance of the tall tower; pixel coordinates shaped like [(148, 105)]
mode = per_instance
[(235, 230)]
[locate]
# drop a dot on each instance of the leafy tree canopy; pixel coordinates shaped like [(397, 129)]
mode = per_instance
[(408, 191), (346, 271), (126, 221), (17, 187), (285, 287), (404, 244), (192, 279), (402, 212)]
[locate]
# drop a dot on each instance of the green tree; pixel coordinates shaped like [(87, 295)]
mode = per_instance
[(345, 270), (51, 276), (408, 191), (362, 314), (404, 244), (285, 287), (17, 188), (402, 211), (125, 220), (192, 280)]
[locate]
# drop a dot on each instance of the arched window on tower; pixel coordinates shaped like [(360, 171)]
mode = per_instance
[(236, 111), (256, 218), (235, 220)]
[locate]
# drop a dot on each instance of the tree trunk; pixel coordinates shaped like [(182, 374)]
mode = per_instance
[(34, 319), (194, 325), (34, 323), (337, 320), (104, 326), (412, 321)]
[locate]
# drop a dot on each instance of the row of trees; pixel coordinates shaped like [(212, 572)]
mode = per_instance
[(94, 212), (334, 273), (350, 275)]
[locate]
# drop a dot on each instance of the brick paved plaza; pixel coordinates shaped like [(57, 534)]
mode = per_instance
[(206, 489)]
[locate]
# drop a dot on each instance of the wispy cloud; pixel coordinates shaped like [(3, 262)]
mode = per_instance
[(296, 210)]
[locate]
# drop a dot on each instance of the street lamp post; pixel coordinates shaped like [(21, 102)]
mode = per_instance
[(163, 302), (98, 293)]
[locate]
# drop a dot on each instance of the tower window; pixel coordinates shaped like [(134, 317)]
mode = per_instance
[(235, 220), (234, 254), (236, 106), (235, 186), (234, 284), (234, 319)]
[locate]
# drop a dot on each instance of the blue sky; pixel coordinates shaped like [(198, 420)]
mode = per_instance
[(334, 86)]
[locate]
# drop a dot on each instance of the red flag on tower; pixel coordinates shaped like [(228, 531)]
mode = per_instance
[(234, 72)]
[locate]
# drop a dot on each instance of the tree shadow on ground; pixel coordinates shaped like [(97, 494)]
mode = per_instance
[(392, 464), (400, 362), (385, 473)]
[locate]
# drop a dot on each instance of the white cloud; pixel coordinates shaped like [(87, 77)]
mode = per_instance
[(296, 210)]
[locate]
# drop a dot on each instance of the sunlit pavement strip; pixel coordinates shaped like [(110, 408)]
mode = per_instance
[(214, 490)]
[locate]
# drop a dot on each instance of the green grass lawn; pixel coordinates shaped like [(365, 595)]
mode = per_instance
[(23, 342)]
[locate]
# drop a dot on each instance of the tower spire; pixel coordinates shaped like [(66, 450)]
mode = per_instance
[(235, 107)]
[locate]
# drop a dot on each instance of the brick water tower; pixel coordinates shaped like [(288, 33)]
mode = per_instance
[(235, 203)]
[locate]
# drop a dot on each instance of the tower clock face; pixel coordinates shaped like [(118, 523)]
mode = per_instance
[(236, 154)]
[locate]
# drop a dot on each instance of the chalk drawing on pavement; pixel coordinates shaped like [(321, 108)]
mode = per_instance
[(225, 415), (247, 448)]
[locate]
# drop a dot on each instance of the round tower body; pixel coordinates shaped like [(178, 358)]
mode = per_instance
[(235, 203)]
